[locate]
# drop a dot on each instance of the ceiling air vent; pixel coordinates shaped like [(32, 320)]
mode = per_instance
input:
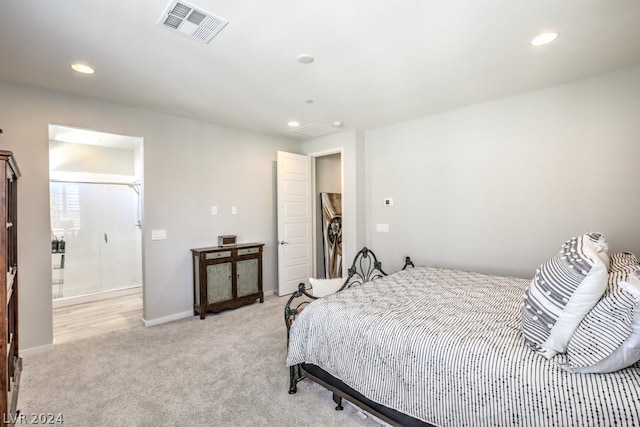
[(191, 21), (314, 130)]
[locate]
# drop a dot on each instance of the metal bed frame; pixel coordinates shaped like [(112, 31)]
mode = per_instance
[(365, 267)]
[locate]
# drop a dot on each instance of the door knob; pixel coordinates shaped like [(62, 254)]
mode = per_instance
[(282, 242)]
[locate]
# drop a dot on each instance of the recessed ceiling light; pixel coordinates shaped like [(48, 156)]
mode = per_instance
[(293, 124), (337, 124), (543, 38), (305, 58), (82, 68)]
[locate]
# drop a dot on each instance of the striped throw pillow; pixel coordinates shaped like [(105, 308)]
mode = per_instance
[(563, 291), (608, 339)]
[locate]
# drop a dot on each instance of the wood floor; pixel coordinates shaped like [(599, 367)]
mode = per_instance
[(94, 318)]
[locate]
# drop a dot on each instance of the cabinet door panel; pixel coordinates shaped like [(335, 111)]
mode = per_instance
[(248, 270), (219, 284)]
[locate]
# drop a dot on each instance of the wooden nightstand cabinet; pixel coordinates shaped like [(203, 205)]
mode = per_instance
[(226, 277)]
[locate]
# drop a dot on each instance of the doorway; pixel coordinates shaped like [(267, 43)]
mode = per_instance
[(328, 216), (300, 181), (96, 218)]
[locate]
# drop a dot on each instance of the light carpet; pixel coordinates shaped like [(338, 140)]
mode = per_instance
[(226, 370)]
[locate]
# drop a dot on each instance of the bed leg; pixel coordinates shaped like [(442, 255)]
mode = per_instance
[(338, 400), (293, 380)]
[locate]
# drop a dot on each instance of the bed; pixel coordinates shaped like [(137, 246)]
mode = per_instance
[(444, 347)]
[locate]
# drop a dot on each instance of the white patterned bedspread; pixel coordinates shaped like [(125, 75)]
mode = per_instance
[(445, 347)]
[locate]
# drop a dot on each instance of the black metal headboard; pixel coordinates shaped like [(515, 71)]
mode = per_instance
[(364, 268)]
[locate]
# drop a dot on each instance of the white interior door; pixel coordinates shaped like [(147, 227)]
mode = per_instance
[(294, 221)]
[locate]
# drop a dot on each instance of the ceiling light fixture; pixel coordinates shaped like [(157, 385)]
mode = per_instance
[(305, 58), (543, 39), (337, 124), (82, 68), (293, 124)]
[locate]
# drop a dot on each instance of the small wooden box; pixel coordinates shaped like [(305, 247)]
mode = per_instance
[(228, 240)]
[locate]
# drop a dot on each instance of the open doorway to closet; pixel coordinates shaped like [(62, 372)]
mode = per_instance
[(328, 216), (96, 231)]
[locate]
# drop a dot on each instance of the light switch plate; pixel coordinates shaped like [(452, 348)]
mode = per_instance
[(382, 228), (234, 210), (158, 234), (214, 210)]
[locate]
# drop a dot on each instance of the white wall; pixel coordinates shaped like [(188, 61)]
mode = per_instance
[(498, 187), (188, 167), (328, 174), (85, 158)]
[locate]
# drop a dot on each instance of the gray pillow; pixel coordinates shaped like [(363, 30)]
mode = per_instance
[(563, 291)]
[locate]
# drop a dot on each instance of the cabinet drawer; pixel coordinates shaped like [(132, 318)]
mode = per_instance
[(248, 251), (216, 255)]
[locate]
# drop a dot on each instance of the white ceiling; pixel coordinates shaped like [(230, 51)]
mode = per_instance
[(377, 62)]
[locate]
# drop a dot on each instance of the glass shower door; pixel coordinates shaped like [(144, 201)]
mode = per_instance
[(98, 222), (120, 243)]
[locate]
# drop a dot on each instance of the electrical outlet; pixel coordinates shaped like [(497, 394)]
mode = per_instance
[(388, 201), (234, 210), (382, 228), (214, 210)]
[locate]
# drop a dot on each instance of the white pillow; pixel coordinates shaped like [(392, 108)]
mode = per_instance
[(563, 291), (324, 287)]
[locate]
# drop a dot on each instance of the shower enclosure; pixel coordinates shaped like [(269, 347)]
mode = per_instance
[(99, 223)]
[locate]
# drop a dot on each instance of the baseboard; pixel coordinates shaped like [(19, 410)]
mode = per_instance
[(28, 352), (167, 319)]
